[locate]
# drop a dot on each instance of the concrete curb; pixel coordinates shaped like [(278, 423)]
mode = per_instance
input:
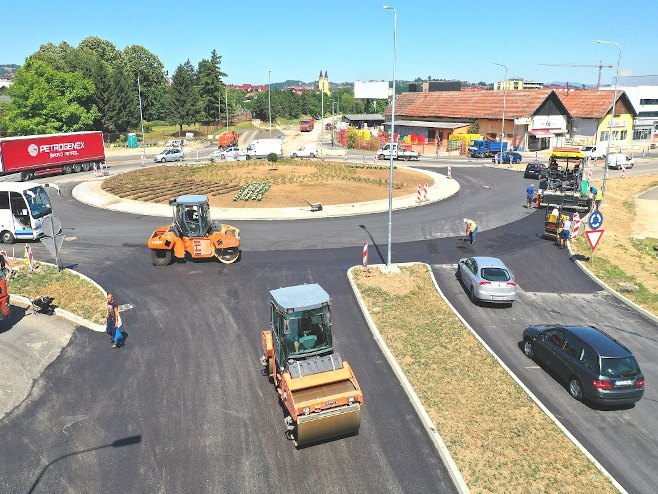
[(64, 314), (90, 193), (532, 396), (433, 433), (550, 415)]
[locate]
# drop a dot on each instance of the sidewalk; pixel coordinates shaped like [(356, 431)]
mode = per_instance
[(28, 344)]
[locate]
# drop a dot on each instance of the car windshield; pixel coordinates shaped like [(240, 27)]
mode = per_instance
[(619, 367), (38, 202), (308, 331), (495, 274)]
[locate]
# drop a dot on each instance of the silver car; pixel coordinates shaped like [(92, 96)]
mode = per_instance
[(230, 153), (487, 279), (169, 154)]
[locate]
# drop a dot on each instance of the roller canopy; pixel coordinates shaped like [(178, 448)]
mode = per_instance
[(300, 297)]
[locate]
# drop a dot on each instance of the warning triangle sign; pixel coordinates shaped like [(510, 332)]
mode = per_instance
[(593, 237)]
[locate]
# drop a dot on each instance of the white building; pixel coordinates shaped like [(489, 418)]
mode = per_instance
[(643, 93)]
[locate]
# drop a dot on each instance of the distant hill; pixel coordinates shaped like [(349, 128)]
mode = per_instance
[(8, 71)]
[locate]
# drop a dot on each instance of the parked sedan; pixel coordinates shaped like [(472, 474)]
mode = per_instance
[(596, 367), (230, 153), (169, 154), (487, 279), (507, 157)]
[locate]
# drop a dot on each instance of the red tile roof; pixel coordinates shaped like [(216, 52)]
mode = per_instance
[(473, 105), (588, 103)]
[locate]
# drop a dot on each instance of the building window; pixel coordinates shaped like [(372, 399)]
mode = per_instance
[(604, 135), (649, 101), (650, 114), (624, 134), (641, 134), (615, 135)]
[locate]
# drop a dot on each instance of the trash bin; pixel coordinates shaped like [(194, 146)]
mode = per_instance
[(132, 140)]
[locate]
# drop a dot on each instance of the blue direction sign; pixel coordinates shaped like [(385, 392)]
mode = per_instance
[(595, 220)]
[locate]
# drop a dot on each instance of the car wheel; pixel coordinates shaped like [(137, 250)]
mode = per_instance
[(163, 160), (380, 157), (528, 349), (312, 155), (472, 296), (575, 389), (7, 237), (293, 155), (180, 158)]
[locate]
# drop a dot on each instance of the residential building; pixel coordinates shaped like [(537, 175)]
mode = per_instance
[(591, 117), (516, 84), (643, 93)]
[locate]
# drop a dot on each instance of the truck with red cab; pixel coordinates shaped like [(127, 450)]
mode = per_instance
[(306, 124), (35, 155)]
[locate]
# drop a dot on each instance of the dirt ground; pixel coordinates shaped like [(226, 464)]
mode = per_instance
[(294, 183)]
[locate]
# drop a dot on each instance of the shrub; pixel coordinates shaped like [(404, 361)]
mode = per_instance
[(273, 157)]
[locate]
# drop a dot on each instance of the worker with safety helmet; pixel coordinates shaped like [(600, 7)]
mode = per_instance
[(471, 229)]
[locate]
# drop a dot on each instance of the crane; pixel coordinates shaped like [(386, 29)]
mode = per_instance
[(600, 66)]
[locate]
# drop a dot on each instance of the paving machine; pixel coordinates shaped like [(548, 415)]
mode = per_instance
[(564, 184), (317, 388), (193, 234)]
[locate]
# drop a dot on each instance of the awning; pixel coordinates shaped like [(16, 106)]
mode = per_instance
[(541, 133)]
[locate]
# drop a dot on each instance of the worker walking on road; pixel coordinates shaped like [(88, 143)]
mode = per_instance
[(530, 192), (471, 230), (565, 234)]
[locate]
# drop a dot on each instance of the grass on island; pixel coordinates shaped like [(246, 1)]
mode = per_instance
[(500, 440)]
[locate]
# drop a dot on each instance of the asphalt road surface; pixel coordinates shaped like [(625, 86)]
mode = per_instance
[(183, 407)]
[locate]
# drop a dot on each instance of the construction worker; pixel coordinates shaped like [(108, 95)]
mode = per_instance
[(471, 230), (530, 192), (565, 234), (598, 198)]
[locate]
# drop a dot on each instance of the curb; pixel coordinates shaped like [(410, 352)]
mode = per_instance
[(91, 194), (532, 396), (64, 314), (430, 428), (550, 415)]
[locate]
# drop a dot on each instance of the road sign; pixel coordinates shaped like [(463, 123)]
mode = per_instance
[(595, 220), (50, 229), (49, 243), (593, 237)]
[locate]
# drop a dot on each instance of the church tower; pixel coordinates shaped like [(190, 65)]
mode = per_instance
[(323, 83)]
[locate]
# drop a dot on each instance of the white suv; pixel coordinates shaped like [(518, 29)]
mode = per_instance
[(620, 160), (594, 152)]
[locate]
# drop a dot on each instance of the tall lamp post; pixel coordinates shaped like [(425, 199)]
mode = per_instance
[(269, 98), (612, 110), (390, 177), (502, 123), (141, 118), (226, 101)]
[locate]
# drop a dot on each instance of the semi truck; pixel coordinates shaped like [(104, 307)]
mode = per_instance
[(484, 148), (399, 153), (35, 155), (306, 124), (260, 148)]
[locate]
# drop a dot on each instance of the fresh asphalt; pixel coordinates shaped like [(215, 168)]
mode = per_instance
[(183, 407)]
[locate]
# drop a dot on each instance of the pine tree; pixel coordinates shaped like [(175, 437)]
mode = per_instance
[(183, 97)]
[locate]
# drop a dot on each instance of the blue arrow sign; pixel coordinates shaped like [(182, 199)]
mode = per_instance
[(595, 220)]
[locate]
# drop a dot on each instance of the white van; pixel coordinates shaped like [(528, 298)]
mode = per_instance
[(619, 161), (594, 152), (23, 206), (306, 151)]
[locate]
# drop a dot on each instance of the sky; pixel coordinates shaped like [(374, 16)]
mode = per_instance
[(353, 39)]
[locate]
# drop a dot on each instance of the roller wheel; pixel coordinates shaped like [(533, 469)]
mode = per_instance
[(575, 389), (161, 257), (7, 237), (229, 256)]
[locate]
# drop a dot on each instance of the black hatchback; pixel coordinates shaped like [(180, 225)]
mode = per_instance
[(596, 366), (536, 170)]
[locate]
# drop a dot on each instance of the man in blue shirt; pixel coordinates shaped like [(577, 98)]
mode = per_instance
[(530, 194)]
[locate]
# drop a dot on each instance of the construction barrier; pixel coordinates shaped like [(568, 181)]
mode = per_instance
[(425, 192), (365, 254), (418, 198), (449, 171), (576, 224), (589, 174), (29, 258), (623, 172)]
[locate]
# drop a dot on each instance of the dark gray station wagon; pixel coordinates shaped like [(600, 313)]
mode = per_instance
[(597, 367)]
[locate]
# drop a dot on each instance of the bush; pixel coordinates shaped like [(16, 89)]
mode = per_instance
[(273, 157)]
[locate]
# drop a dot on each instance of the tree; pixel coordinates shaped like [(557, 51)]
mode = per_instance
[(183, 97), (122, 111), (106, 50), (45, 100), (151, 77), (57, 56), (211, 89)]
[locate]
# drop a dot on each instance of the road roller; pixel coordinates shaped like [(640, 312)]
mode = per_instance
[(192, 234), (319, 392)]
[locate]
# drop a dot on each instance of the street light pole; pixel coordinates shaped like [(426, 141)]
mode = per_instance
[(390, 177), (141, 118), (269, 98), (612, 110), (226, 100), (502, 124)]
